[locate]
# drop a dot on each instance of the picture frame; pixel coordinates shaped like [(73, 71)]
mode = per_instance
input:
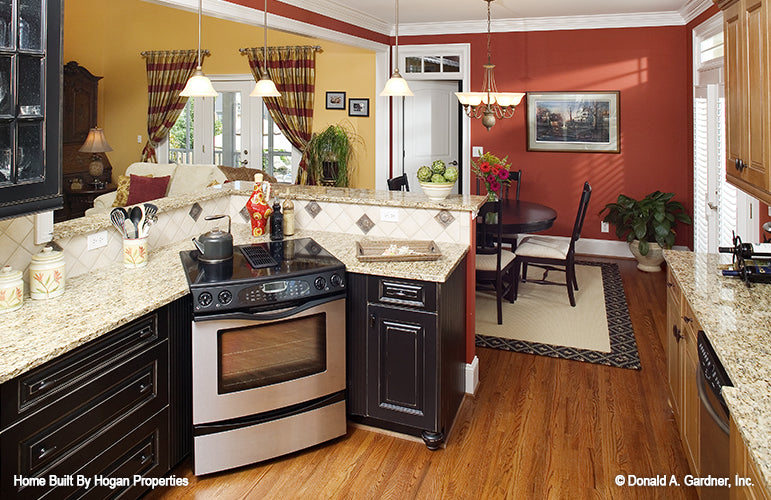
[(358, 107), (335, 100), (575, 122)]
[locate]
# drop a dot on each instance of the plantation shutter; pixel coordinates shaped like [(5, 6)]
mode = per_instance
[(727, 195), (701, 176)]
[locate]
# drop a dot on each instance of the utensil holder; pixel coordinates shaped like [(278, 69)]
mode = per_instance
[(135, 252)]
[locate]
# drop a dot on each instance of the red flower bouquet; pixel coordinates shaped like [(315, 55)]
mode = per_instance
[(493, 171)]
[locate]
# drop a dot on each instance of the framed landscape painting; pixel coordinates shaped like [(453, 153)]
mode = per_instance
[(578, 122)]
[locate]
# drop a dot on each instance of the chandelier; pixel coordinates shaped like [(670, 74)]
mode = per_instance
[(489, 105)]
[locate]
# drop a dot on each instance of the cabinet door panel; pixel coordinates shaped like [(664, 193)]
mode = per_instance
[(690, 403), (734, 79), (756, 106), (674, 331), (402, 345)]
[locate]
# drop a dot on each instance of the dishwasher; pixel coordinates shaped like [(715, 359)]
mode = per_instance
[(713, 419)]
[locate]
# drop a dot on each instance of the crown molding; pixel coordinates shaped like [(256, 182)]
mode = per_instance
[(222, 9), (554, 23), (345, 14), (694, 8)]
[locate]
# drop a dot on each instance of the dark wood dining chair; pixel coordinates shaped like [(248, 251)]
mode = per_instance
[(553, 253), (398, 183), (493, 266), (514, 176)]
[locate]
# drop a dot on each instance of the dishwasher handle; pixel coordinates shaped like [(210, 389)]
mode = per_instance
[(706, 402)]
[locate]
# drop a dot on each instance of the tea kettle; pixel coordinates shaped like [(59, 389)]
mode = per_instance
[(215, 246)]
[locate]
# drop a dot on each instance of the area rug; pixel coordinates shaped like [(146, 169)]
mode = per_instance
[(541, 321)]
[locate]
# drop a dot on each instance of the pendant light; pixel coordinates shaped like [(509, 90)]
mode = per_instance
[(489, 104), (265, 86), (198, 85), (396, 85)]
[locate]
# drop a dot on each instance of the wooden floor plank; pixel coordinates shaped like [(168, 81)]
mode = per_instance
[(538, 427)]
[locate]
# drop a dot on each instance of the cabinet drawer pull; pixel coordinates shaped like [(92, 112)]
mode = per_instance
[(144, 458), (146, 332), (40, 385), (145, 387), (372, 321), (687, 319), (670, 285), (676, 333), (44, 452)]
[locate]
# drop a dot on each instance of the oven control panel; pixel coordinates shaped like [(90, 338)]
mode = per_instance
[(234, 296)]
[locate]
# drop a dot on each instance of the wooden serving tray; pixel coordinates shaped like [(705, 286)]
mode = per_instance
[(374, 251)]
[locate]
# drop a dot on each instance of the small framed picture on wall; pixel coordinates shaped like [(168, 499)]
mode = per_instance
[(358, 107), (335, 100)]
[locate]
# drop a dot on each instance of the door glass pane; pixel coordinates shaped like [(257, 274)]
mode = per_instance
[(5, 152), (30, 25), (261, 355), (432, 64), (181, 136), (29, 87), (227, 129), (5, 23), (451, 64), (413, 65), (29, 153), (5, 85)]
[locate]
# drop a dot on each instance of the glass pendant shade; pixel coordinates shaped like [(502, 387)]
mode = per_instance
[(265, 88), (198, 85), (396, 86)]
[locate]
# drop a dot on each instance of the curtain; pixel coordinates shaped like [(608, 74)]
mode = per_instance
[(167, 74), (293, 70)]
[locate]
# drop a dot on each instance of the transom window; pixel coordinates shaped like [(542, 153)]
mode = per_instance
[(432, 64)]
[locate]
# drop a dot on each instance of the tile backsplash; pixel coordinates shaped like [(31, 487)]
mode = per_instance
[(17, 235)]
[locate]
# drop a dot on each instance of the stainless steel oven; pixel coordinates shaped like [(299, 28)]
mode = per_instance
[(268, 353)]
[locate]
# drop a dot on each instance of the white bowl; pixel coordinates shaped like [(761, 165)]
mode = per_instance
[(436, 191)]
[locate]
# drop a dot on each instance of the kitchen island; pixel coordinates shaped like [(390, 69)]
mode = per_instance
[(737, 321)]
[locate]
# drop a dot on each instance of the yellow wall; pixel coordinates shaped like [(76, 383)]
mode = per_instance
[(107, 37)]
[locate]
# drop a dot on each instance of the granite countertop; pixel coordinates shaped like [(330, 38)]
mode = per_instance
[(402, 199), (98, 302), (737, 322)]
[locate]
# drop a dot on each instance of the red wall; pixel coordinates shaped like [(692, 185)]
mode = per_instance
[(651, 68)]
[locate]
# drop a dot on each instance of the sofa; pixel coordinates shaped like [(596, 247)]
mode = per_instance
[(182, 179)]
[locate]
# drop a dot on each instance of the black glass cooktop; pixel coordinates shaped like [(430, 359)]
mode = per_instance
[(270, 260)]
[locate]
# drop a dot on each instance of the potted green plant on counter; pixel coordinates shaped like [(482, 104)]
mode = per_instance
[(329, 156), (648, 225)]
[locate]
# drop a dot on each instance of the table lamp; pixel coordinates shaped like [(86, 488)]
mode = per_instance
[(95, 143)]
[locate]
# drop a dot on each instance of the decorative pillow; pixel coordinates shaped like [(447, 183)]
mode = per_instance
[(190, 178), (146, 188), (122, 192), (245, 174)]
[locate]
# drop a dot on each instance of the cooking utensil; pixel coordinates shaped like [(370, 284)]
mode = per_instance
[(129, 229), (215, 246), (118, 217), (136, 217)]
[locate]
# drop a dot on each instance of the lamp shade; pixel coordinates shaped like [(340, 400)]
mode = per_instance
[(396, 86), (95, 142), (198, 86), (265, 88)]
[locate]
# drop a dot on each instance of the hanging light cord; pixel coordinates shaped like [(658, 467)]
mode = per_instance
[(397, 34), (200, 4), (489, 57), (265, 30)]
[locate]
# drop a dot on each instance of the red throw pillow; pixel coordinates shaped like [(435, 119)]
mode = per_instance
[(143, 189)]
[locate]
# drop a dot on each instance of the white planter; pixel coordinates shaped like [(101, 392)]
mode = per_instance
[(650, 263)]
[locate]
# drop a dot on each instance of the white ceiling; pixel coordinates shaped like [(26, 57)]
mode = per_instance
[(447, 11)]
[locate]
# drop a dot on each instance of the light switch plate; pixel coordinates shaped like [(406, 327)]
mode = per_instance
[(44, 227), (477, 151), (604, 227), (389, 214), (97, 240)]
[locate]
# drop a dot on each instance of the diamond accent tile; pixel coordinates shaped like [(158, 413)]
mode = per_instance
[(244, 213), (313, 208), (365, 224), (195, 211), (445, 218)]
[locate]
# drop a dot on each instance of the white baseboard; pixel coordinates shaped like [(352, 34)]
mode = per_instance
[(472, 376), (603, 248)]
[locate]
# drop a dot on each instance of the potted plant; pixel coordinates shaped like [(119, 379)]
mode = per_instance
[(648, 225), (329, 156)]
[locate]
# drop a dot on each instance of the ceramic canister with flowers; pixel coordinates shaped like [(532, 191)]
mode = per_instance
[(46, 274), (494, 172), (11, 289)]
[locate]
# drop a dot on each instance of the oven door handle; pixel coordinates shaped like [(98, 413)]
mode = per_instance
[(269, 316), (706, 403)]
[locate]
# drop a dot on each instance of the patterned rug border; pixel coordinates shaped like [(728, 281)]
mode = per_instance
[(623, 346)]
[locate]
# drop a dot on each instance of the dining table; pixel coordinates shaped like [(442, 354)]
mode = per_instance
[(521, 216)]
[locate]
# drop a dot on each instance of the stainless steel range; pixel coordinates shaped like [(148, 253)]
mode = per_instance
[(268, 352)]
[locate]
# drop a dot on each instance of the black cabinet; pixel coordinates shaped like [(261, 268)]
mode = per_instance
[(104, 409), (30, 109), (406, 353)]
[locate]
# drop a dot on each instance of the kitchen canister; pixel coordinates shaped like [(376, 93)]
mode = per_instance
[(135, 252), (46, 274), (11, 289)]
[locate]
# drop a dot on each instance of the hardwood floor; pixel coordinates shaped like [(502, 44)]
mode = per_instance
[(538, 427)]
